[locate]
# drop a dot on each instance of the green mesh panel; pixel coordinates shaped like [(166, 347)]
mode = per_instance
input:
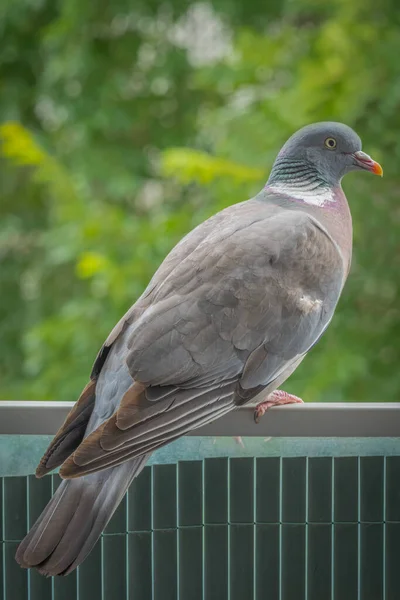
[(303, 528)]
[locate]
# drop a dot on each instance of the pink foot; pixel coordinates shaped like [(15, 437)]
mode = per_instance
[(277, 398)]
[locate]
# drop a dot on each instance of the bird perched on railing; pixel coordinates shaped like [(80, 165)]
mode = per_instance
[(230, 313)]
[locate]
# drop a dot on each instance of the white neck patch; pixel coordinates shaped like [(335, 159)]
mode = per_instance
[(316, 197)]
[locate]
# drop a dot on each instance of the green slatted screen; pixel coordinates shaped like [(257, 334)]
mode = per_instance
[(234, 529)]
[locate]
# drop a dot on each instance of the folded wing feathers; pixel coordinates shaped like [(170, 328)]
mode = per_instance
[(70, 469), (109, 445), (71, 433)]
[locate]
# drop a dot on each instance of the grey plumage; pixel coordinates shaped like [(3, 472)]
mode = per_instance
[(232, 311)]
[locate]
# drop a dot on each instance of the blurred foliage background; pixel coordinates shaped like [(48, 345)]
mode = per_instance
[(123, 125)]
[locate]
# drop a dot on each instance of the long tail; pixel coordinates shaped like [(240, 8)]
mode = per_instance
[(73, 520)]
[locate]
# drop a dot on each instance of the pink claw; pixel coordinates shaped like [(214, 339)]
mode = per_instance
[(279, 397)]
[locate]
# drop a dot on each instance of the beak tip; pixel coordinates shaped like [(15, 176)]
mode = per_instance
[(369, 164)]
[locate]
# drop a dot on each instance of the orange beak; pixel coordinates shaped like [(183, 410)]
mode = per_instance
[(366, 162)]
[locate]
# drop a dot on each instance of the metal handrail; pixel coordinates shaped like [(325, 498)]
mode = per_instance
[(352, 419)]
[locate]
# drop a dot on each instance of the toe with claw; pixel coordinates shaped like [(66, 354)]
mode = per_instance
[(279, 397)]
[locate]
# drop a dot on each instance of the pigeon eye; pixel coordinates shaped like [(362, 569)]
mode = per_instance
[(330, 143)]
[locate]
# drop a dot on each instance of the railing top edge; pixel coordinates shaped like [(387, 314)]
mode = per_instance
[(352, 419)]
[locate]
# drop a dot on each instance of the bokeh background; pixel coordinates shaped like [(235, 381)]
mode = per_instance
[(124, 124)]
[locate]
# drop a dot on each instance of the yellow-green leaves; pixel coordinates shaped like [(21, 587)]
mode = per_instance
[(188, 165), (19, 146), (91, 263)]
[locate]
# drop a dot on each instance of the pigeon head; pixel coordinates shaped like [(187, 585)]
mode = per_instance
[(319, 155)]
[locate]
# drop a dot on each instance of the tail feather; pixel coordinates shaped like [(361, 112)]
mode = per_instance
[(74, 519)]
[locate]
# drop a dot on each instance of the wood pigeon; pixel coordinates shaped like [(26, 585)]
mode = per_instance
[(231, 312)]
